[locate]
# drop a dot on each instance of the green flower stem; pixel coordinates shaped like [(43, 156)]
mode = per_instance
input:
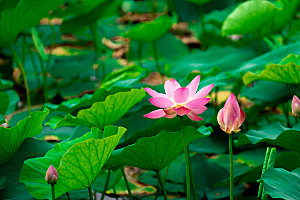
[(191, 174), (155, 54), (296, 120), (90, 193), (161, 184), (286, 113), (231, 165), (187, 166), (68, 196), (20, 64), (106, 185), (126, 182), (140, 53), (53, 191), (98, 49)]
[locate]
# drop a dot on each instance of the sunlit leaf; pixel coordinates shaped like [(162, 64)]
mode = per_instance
[(259, 18), (34, 170), (84, 160), (12, 138), (287, 71), (107, 112)]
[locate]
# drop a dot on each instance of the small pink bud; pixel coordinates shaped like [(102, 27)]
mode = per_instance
[(51, 175), (231, 116), (296, 106)]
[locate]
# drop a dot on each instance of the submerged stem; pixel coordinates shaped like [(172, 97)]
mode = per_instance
[(115, 192), (90, 193), (231, 165), (187, 167), (126, 182), (20, 64), (161, 184), (106, 185), (68, 196)]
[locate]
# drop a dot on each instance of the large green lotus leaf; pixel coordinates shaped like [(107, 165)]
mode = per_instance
[(126, 77), (216, 143), (79, 102), (77, 63), (12, 138), (280, 183), (34, 170), (287, 71), (248, 164), (206, 174), (13, 189), (107, 112), (150, 31), (259, 18), (274, 134), (8, 101), (251, 17), (16, 19), (154, 153), (275, 56), (266, 92), (81, 164), (103, 10), (229, 58)]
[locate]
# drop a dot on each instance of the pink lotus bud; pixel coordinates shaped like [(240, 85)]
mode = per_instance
[(231, 116), (296, 106), (51, 175)]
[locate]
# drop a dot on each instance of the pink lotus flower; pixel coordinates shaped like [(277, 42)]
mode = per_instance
[(179, 100), (51, 175), (231, 116), (296, 106)]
